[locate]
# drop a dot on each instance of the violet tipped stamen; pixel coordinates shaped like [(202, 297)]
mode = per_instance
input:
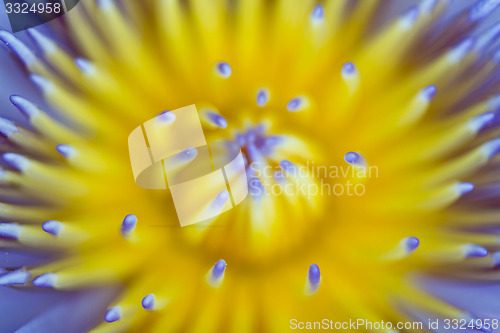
[(491, 148), (355, 159), (314, 275), (474, 251), (218, 204), (215, 275), (66, 151), (464, 187), (221, 199), (44, 43), (318, 14), (403, 249), (41, 82), (495, 259), (294, 104), (263, 96), (218, 269), (148, 302), (223, 69), (7, 127), (165, 118), (113, 314), (352, 157), (187, 155), (348, 70), (411, 244), (10, 230), (23, 52), (16, 161), (52, 227), (25, 106), (350, 76), (479, 122), (180, 159), (313, 280), (47, 280), (298, 103), (16, 277), (216, 119), (128, 224), (85, 66), (428, 93)]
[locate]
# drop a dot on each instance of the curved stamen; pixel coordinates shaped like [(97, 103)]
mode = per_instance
[(215, 275), (464, 187), (263, 96), (85, 66), (47, 280), (313, 280), (10, 230), (428, 92), (19, 276), (67, 151), (216, 119), (355, 159), (165, 118), (318, 14), (128, 224), (411, 243), (350, 76), (223, 69), (113, 314), (23, 52), (298, 103), (148, 302), (52, 227), (479, 122), (474, 251)]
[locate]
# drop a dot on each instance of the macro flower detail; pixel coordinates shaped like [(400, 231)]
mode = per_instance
[(370, 143)]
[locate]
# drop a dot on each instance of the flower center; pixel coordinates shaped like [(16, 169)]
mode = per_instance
[(256, 145)]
